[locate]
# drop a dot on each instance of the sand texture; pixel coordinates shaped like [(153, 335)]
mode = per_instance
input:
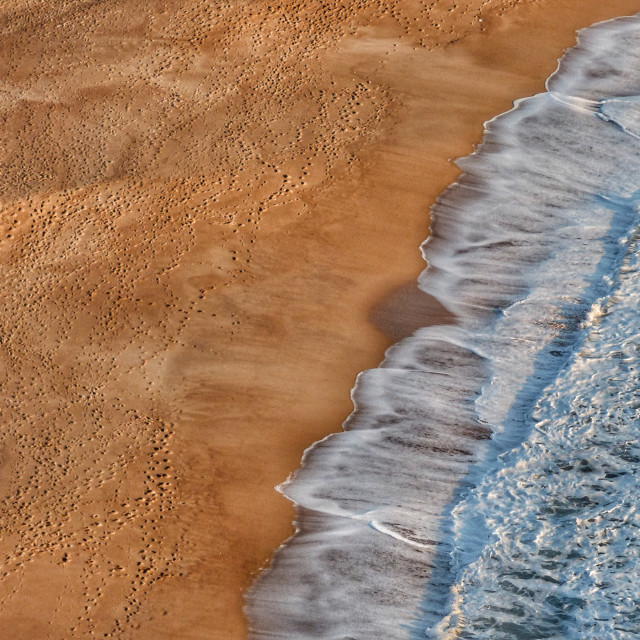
[(202, 206)]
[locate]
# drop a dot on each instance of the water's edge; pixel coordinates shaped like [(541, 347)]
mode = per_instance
[(521, 247)]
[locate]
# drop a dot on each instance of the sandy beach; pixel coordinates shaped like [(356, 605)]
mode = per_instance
[(210, 217)]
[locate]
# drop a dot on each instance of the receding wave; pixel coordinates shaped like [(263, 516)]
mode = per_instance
[(408, 520)]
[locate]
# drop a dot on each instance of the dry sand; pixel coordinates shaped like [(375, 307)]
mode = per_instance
[(202, 205)]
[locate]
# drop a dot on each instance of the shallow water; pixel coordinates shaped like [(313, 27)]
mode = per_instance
[(484, 485), (562, 511)]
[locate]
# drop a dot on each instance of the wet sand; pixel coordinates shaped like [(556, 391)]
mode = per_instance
[(203, 211)]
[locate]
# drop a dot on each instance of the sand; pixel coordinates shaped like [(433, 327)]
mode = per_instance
[(209, 224)]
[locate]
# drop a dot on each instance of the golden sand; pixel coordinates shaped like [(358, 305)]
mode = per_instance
[(203, 204)]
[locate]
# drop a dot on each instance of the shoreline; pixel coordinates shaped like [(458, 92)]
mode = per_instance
[(200, 222), (402, 298)]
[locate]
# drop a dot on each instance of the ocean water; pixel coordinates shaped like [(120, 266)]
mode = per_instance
[(486, 484)]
